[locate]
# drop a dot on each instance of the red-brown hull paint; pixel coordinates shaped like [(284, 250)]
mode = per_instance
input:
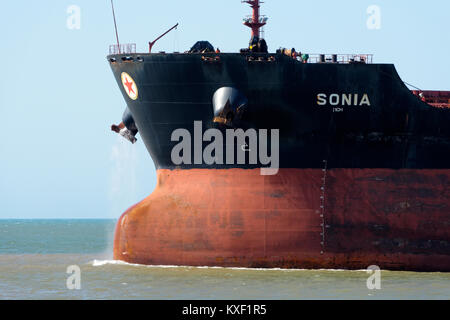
[(396, 219)]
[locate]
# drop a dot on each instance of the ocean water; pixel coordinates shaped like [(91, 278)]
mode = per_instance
[(35, 256)]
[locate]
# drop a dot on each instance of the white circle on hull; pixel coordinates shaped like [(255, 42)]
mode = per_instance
[(129, 85)]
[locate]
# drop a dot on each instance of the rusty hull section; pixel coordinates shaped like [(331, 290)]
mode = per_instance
[(299, 218)]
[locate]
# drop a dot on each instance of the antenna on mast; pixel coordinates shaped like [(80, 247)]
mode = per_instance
[(115, 26)]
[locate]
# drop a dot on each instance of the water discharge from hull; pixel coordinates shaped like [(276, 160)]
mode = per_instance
[(123, 180)]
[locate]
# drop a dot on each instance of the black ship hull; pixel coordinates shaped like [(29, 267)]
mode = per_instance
[(396, 130)]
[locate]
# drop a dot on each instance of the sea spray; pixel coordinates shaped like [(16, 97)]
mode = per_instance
[(122, 183), (123, 171)]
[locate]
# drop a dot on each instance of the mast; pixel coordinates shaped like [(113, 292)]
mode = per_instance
[(115, 26), (256, 22)]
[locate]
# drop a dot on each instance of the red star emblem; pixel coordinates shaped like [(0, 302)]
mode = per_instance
[(129, 86)]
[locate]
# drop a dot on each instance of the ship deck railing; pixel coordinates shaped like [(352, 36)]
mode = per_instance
[(249, 19), (440, 105), (339, 58), (130, 48), (437, 99), (125, 48)]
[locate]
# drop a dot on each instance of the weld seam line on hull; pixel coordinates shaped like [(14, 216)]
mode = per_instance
[(175, 102), (210, 83), (322, 204)]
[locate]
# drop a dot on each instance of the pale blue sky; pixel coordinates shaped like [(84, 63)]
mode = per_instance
[(58, 96)]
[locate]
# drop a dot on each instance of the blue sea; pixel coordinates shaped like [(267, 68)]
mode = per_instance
[(36, 255)]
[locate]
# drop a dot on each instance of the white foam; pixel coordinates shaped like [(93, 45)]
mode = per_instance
[(99, 263)]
